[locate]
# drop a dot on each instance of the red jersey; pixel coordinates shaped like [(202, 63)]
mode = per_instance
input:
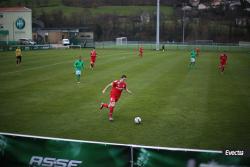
[(117, 88), (140, 50), (93, 54), (223, 59)]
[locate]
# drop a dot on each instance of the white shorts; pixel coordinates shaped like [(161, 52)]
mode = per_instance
[(192, 60), (78, 72)]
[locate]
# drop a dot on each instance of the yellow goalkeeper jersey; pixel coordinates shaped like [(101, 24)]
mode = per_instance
[(18, 52)]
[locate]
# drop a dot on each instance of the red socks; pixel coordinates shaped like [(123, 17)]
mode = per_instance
[(222, 69), (105, 105), (111, 109)]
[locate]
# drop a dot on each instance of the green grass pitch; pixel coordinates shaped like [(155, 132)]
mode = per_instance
[(180, 107)]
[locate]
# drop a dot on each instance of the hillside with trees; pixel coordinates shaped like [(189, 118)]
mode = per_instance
[(136, 19)]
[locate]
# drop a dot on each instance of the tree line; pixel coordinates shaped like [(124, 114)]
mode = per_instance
[(219, 27)]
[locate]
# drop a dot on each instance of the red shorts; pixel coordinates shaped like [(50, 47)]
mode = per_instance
[(222, 66), (113, 99), (92, 60)]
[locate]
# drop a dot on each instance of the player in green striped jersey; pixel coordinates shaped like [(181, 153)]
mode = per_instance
[(192, 59), (79, 66)]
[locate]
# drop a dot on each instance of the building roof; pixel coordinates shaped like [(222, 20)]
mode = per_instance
[(15, 9)]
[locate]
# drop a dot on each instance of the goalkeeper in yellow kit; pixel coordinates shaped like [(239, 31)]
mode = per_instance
[(18, 56)]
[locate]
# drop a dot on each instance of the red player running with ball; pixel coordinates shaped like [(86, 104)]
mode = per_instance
[(223, 62), (92, 58), (117, 87)]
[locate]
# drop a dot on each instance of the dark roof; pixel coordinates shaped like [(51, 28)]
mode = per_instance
[(15, 9)]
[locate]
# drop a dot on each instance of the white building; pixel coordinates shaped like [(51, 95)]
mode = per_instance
[(15, 23)]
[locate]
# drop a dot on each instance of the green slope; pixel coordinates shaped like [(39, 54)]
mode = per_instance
[(116, 10)]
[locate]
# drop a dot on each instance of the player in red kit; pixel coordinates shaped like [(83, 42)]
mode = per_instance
[(92, 58), (197, 50), (223, 62), (141, 52), (117, 87)]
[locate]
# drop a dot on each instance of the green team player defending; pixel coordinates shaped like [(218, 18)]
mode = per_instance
[(192, 58), (79, 66)]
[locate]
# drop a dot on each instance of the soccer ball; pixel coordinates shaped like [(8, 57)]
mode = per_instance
[(137, 120)]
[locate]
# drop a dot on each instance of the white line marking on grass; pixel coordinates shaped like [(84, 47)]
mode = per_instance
[(34, 68), (40, 67), (117, 144)]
